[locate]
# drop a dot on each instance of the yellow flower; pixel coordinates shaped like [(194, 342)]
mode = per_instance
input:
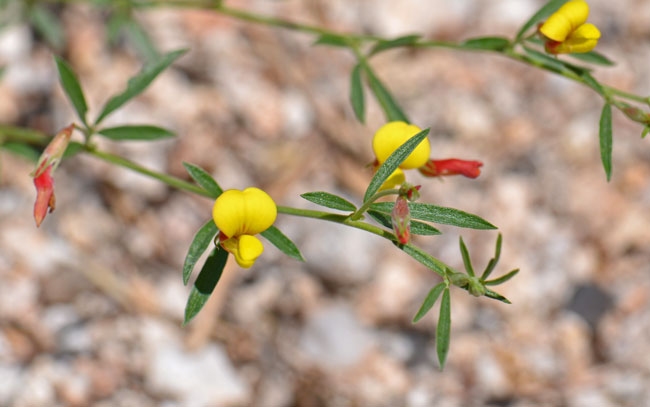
[(567, 31), (392, 135), (239, 215)]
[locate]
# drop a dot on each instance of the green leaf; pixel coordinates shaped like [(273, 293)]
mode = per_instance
[(552, 63), (140, 132), (466, 260), (494, 260), (333, 40), (645, 132), (141, 41), (592, 82), (392, 162), (203, 179), (392, 110), (593, 57), (548, 9), (329, 201), (73, 149), (422, 258), (279, 240), (72, 88), (417, 228), (3, 69), (443, 330), (496, 296), (114, 26), (503, 278), (48, 25), (429, 301), (139, 83), (22, 150), (394, 43), (199, 244), (438, 214), (356, 94), (487, 43), (205, 282), (605, 136)]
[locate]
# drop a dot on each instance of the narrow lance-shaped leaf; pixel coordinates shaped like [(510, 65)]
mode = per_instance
[(333, 40), (139, 83), (47, 24), (200, 243), (645, 132), (503, 278), (494, 260), (356, 94), (392, 162), (394, 43), (429, 301), (205, 282), (605, 135), (204, 179), (282, 242), (443, 330), (141, 41), (329, 201), (72, 88), (548, 9), (417, 228), (428, 261), (142, 132), (439, 214), (552, 64), (392, 110), (466, 260), (496, 296), (22, 150), (593, 57), (487, 43)]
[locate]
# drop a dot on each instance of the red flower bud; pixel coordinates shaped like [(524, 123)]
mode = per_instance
[(43, 180), (401, 217), (451, 166)]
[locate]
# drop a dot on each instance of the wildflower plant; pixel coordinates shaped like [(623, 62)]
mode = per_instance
[(239, 217)]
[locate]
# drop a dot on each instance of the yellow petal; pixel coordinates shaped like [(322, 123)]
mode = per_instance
[(245, 248), (248, 250), (565, 20), (584, 39), (395, 179), (392, 135), (249, 212)]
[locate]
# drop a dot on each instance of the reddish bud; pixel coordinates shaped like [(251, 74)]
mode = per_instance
[(410, 192), (401, 218), (451, 166), (43, 180)]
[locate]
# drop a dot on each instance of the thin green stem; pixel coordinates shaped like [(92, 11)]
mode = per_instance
[(167, 179), (359, 212), (626, 95)]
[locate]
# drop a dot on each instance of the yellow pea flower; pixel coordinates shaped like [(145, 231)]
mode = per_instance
[(239, 215), (567, 31), (392, 135), (388, 139)]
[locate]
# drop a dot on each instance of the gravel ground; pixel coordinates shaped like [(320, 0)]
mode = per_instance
[(91, 303)]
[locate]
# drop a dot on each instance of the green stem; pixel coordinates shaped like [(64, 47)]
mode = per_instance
[(359, 212), (167, 179)]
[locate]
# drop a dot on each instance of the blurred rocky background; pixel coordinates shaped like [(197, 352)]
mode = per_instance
[(91, 303)]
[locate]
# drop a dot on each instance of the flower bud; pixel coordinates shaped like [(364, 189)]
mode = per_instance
[(410, 192), (42, 175), (401, 218)]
